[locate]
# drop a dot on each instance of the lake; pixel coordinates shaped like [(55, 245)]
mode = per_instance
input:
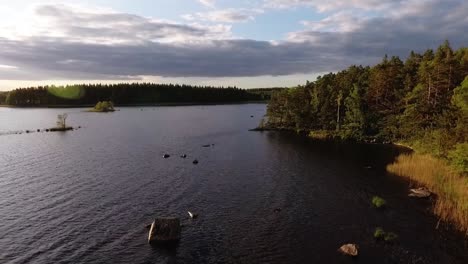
[(85, 196)]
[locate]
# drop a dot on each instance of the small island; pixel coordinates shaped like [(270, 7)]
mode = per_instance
[(61, 124), (103, 107)]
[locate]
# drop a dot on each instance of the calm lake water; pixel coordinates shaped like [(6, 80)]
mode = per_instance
[(85, 196)]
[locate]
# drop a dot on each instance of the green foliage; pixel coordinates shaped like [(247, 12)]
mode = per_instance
[(354, 122), (390, 236), (104, 106), (264, 93), (460, 96), (458, 158), (378, 202), (379, 233)]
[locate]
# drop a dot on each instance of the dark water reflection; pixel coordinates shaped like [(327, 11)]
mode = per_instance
[(86, 196)]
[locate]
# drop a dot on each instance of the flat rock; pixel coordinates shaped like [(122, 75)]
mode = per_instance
[(164, 230), (349, 250), (419, 192)]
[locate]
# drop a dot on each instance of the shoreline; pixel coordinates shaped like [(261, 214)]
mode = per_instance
[(325, 135), (138, 105), (445, 208)]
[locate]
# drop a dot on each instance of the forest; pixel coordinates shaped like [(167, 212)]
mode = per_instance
[(125, 94), (421, 102), (3, 96)]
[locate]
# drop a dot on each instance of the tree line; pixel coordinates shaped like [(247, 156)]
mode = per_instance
[(422, 100), (125, 94), (3, 96)]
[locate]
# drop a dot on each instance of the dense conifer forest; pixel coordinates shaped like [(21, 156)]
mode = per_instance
[(125, 94), (422, 101)]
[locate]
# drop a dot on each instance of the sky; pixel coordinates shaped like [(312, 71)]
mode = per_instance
[(243, 43)]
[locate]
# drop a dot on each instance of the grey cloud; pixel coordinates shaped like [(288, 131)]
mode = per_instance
[(305, 51), (222, 58)]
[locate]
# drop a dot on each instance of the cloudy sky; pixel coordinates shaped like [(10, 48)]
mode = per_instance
[(247, 43)]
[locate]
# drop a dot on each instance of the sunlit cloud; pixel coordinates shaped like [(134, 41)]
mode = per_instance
[(225, 16), (207, 3), (7, 67)]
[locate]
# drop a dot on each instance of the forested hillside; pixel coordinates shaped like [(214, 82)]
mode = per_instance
[(125, 94), (422, 101)]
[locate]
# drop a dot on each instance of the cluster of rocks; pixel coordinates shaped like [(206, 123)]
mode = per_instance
[(184, 156), (27, 131)]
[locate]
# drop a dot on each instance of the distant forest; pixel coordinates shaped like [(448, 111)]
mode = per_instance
[(422, 101), (128, 94)]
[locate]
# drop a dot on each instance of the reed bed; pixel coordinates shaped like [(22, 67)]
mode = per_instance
[(450, 187)]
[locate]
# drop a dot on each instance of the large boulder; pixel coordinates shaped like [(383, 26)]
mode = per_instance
[(164, 230), (349, 249), (419, 192)]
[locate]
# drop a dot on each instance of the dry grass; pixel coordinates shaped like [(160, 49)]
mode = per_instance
[(435, 174)]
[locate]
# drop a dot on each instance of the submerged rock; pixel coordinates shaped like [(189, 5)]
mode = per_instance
[(421, 192), (183, 156), (349, 250), (206, 146), (195, 162), (164, 230), (166, 156), (192, 215)]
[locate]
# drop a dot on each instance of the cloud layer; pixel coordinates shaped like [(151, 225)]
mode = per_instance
[(70, 43)]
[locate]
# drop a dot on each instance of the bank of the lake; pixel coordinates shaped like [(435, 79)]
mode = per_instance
[(450, 188)]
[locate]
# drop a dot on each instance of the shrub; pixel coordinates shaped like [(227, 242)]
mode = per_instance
[(390, 236), (379, 233), (459, 158), (378, 202)]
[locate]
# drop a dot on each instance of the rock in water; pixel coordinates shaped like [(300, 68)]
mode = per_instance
[(349, 249), (192, 215), (166, 156), (419, 192), (164, 230), (195, 162)]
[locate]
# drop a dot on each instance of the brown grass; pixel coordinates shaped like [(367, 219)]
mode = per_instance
[(435, 174)]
